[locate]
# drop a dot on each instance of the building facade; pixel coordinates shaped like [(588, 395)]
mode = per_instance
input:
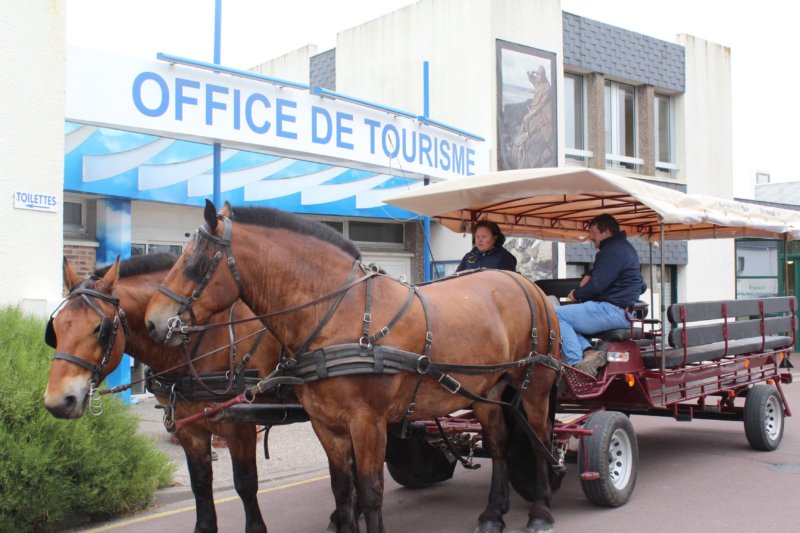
[(616, 100)]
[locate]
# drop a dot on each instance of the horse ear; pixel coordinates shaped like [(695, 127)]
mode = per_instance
[(109, 281), (227, 210), (210, 214), (70, 277)]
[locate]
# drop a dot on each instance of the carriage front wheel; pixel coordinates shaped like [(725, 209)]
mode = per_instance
[(611, 451), (416, 464), (763, 418)]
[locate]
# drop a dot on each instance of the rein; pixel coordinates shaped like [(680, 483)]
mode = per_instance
[(365, 357)]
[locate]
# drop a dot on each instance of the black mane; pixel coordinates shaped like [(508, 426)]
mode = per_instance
[(141, 264), (275, 218)]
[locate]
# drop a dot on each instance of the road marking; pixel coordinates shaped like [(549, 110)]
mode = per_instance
[(192, 507)]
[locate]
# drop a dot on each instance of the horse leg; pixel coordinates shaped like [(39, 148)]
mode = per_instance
[(536, 402), (495, 441), (242, 446), (339, 450), (368, 435), (197, 447)]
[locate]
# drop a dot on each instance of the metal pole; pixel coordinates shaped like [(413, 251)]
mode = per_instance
[(217, 195), (786, 265), (661, 303), (426, 222)]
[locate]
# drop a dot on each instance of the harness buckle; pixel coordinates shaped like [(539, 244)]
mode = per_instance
[(449, 383), (364, 343), (367, 317), (429, 336), (423, 364)]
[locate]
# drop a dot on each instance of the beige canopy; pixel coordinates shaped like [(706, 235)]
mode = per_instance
[(558, 203)]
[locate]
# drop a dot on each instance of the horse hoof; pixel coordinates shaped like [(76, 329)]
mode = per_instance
[(539, 525), (489, 527)]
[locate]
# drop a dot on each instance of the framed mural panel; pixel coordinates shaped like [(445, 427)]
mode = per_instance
[(527, 122)]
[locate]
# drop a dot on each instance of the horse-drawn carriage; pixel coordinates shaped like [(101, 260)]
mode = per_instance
[(427, 359)]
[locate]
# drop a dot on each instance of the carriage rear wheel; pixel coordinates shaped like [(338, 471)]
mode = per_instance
[(763, 418), (611, 451), (417, 464)]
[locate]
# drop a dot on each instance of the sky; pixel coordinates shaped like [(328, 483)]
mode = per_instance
[(764, 77)]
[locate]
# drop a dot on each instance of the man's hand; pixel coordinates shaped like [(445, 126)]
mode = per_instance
[(571, 296)]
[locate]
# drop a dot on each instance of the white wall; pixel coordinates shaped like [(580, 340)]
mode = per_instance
[(160, 223), (704, 140), (292, 66), (32, 99), (382, 60), (447, 245)]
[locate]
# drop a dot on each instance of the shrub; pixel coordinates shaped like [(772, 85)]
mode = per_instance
[(52, 470)]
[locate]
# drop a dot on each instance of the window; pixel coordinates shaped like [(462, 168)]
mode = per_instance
[(75, 218), (620, 126), (376, 232), (138, 248), (575, 112), (384, 235), (664, 133), (757, 272)]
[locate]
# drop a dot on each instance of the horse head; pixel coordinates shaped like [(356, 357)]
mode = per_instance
[(88, 334), (195, 288)]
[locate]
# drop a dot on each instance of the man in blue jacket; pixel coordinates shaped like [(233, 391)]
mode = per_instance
[(605, 292)]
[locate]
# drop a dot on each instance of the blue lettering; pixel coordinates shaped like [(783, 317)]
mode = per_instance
[(444, 161), (425, 148), (180, 98), (395, 146), (458, 160), (413, 144), (342, 129), (211, 104), (248, 112), (237, 109), (470, 161), (281, 117), (326, 117), (373, 125), (137, 94)]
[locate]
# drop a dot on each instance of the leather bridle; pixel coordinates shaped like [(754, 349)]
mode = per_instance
[(175, 323), (107, 333)]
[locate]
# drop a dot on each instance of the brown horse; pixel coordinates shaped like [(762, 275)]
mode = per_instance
[(306, 279), (124, 291)]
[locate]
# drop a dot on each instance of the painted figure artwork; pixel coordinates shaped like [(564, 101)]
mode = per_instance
[(527, 128)]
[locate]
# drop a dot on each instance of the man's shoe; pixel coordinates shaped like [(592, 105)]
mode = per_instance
[(592, 362)]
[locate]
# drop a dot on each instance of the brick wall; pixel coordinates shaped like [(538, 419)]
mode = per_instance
[(82, 259)]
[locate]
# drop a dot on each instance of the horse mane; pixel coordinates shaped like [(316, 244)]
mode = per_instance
[(142, 264), (275, 218)]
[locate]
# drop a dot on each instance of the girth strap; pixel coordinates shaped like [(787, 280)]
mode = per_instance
[(212, 386)]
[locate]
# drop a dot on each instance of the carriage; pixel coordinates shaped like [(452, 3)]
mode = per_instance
[(726, 360), (722, 360)]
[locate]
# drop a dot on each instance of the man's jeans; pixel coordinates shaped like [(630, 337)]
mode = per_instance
[(587, 318)]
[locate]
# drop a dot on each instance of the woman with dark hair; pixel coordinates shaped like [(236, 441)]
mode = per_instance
[(488, 251)]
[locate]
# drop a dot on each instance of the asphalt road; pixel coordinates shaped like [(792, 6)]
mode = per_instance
[(699, 476)]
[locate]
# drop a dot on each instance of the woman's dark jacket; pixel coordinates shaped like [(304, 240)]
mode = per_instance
[(498, 257)]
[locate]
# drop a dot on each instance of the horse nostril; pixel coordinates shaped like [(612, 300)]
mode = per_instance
[(151, 327), (69, 402)]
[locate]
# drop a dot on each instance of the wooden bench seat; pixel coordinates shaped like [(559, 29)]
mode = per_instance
[(699, 330)]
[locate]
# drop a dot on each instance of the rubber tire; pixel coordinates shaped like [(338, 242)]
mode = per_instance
[(763, 408), (415, 464), (611, 428)]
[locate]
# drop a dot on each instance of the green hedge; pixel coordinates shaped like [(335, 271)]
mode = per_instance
[(54, 470)]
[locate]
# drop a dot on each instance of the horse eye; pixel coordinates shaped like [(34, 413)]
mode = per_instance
[(97, 329)]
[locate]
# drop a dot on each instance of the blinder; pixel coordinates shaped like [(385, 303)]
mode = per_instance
[(50, 334), (105, 333)]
